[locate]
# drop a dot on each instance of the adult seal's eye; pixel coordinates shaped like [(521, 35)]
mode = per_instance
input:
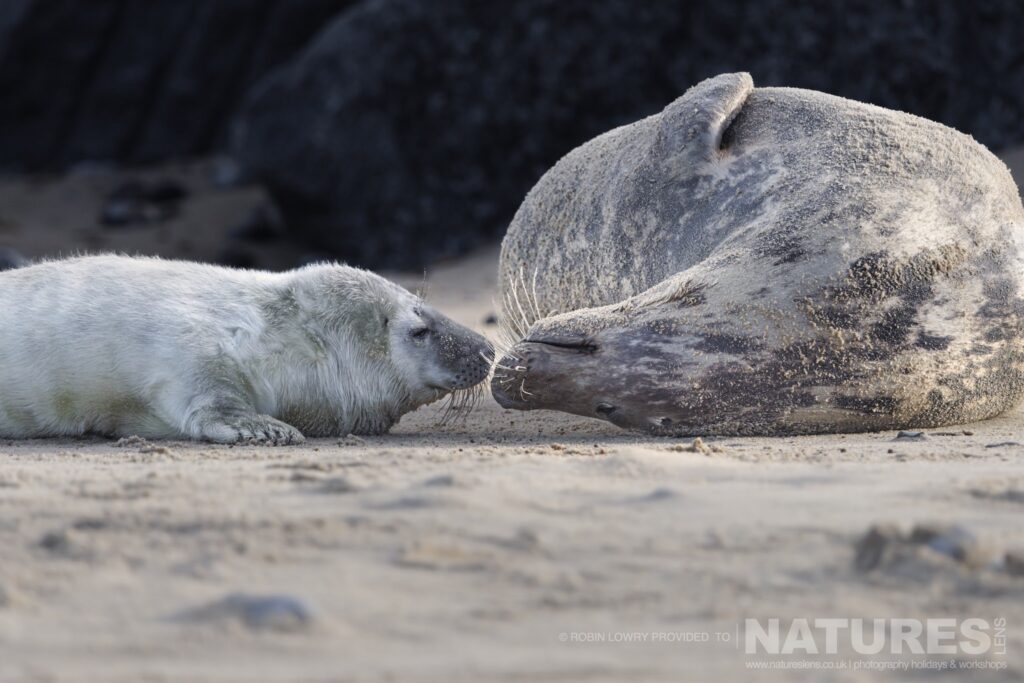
[(420, 333)]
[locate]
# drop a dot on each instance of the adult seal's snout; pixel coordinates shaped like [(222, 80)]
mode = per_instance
[(540, 358), (767, 261)]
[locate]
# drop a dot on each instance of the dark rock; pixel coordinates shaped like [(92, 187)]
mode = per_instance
[(953, 541), (46, 66), (226, 172), (56, 542), (126, 75), (138, 203), (872, 547), (282, 613), (117, 213), (11, 13), (441, 480), (136, 80), (409, 130), (65, 544), (1014, 562), (236, 257), (165, 191), (203, 80), (924, 551), (9, 259), (262, 225), (338, 485), (910, 436), (90, 524)]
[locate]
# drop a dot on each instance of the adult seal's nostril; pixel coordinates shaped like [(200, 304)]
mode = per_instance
[(767, 261)]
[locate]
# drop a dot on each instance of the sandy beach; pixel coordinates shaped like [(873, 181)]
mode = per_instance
[(753, 217), (506, 546)]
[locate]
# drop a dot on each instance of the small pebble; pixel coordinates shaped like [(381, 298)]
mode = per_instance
[(337, 485), (696, 446), (870, 549), (281, 613), (441, 480), (910, 436), (657, 494), (1014, 562), (953, 541)]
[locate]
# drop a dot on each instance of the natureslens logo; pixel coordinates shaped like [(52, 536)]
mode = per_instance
[(894, 636)]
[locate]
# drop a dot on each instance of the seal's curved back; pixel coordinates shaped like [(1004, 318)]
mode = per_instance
[(770, 260)]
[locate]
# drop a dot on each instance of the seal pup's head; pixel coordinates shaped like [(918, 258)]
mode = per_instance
[(432, 353), (378, 349)]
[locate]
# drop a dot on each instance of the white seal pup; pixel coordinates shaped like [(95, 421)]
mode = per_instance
[(121, 346), (768, 261)]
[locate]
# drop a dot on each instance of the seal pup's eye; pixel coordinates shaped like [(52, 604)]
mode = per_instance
[(420, 333)]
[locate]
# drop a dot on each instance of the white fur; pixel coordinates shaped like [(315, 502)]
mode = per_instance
[(122, 346)]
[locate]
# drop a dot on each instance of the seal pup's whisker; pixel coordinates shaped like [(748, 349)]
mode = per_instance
[(460, 404), (423, 291)]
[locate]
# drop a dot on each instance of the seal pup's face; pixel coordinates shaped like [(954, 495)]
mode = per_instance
[(377, 349), (433, 354)]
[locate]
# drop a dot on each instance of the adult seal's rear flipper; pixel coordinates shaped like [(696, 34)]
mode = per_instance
[(692, 127)]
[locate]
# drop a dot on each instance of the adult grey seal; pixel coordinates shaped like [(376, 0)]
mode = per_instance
[(142, 346), (767, 261)]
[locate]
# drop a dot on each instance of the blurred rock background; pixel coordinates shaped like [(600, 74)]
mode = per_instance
[(394, 133)]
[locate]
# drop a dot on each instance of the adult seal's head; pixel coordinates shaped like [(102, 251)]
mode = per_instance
[(767, 261)]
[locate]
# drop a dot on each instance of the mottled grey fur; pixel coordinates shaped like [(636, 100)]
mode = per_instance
[(768, 261)]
